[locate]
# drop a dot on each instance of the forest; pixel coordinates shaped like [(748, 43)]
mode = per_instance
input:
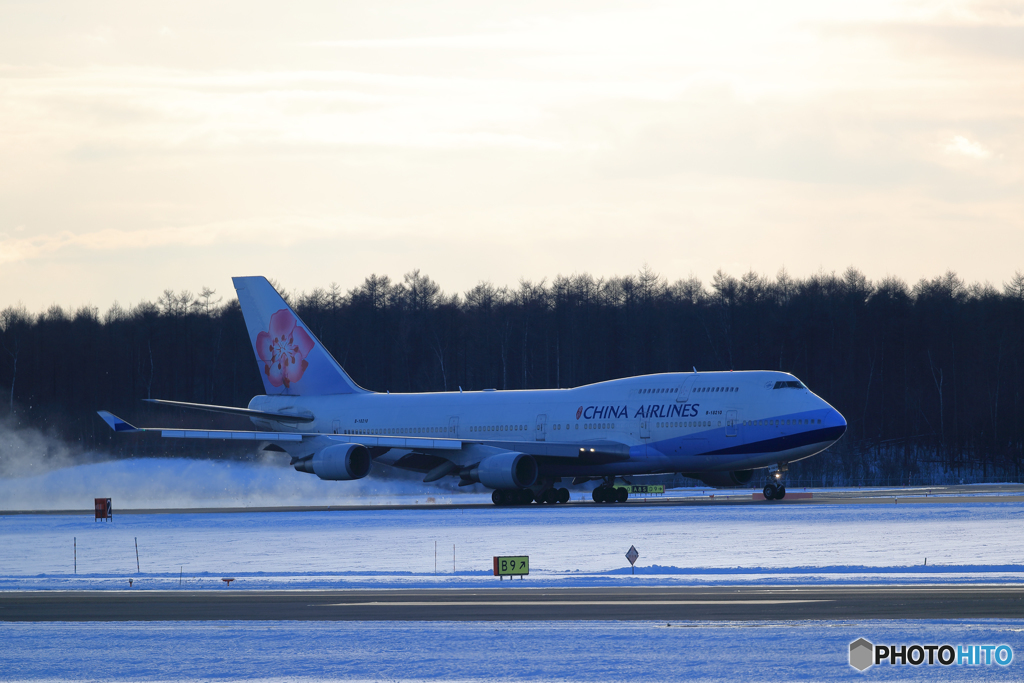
[(928, 375)]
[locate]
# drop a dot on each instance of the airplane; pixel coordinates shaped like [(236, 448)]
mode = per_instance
[(718, 427)]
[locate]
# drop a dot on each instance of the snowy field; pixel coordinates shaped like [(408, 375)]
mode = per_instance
[(566, 545), (492, 651)]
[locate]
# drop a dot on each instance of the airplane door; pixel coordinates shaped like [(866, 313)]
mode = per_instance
[(645, 429), (453, 427), (731, 423), (336, 426), (684, 389), (542, 425)]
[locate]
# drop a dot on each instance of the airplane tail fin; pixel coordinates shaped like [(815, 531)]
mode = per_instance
[(291, 360)]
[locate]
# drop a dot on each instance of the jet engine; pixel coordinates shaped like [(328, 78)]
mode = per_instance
[(724, 480), (506, 471), (340, 462)]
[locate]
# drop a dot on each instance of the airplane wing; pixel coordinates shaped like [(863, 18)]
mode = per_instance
[(119, 425), (593, 451)]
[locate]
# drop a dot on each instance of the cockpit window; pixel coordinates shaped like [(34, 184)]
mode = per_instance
[(789, 385)]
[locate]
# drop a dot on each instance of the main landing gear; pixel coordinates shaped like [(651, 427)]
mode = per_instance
[(608, 493), (776, 487), (526, 496)]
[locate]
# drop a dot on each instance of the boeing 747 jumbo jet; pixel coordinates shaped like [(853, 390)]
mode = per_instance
[(715, 426)]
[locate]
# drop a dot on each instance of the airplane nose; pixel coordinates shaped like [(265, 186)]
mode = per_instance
[(840, 423)]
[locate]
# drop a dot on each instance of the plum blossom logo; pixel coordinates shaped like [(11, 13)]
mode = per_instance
[(283, 349), (579, 412)]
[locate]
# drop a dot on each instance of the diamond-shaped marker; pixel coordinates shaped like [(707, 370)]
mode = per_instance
[(632, 555)]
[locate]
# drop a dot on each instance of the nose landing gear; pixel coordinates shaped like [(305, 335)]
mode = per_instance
[(776, 487)]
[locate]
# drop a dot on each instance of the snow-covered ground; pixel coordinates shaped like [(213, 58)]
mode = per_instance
[(567, 546), (477, 651)]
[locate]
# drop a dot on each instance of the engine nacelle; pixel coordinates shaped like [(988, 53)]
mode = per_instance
[(341, 462), (506, 471), (724, 480)]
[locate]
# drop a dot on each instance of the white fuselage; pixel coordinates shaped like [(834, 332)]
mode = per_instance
[(673, 422)]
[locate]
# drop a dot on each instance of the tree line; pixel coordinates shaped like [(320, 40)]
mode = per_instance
[(928, 376)]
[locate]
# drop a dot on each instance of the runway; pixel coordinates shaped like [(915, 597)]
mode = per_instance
[(514, 602), (916, 495)]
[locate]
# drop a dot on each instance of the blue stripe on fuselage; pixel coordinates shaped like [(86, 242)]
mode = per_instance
[(784, 443), (775, 444)]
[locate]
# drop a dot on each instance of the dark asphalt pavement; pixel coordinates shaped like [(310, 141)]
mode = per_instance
[(514, 602)]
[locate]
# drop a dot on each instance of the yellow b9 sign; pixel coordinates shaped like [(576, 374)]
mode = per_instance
[(511, 566)]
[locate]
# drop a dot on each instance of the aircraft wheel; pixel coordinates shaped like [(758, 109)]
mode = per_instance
[(551, 496), (525, 497), (621, 495), (498, 497), (769, 492), (563, 495), (598, 494), (780, 493)]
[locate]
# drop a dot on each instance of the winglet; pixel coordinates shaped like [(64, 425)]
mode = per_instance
[(116, 423)]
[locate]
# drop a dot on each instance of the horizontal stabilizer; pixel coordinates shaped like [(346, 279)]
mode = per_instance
[(230, 410)]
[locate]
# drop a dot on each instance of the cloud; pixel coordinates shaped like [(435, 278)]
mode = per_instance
[(962, 146), (281, 232), (467, 128)]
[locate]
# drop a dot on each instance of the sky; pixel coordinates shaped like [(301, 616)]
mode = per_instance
[(153, 146)]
